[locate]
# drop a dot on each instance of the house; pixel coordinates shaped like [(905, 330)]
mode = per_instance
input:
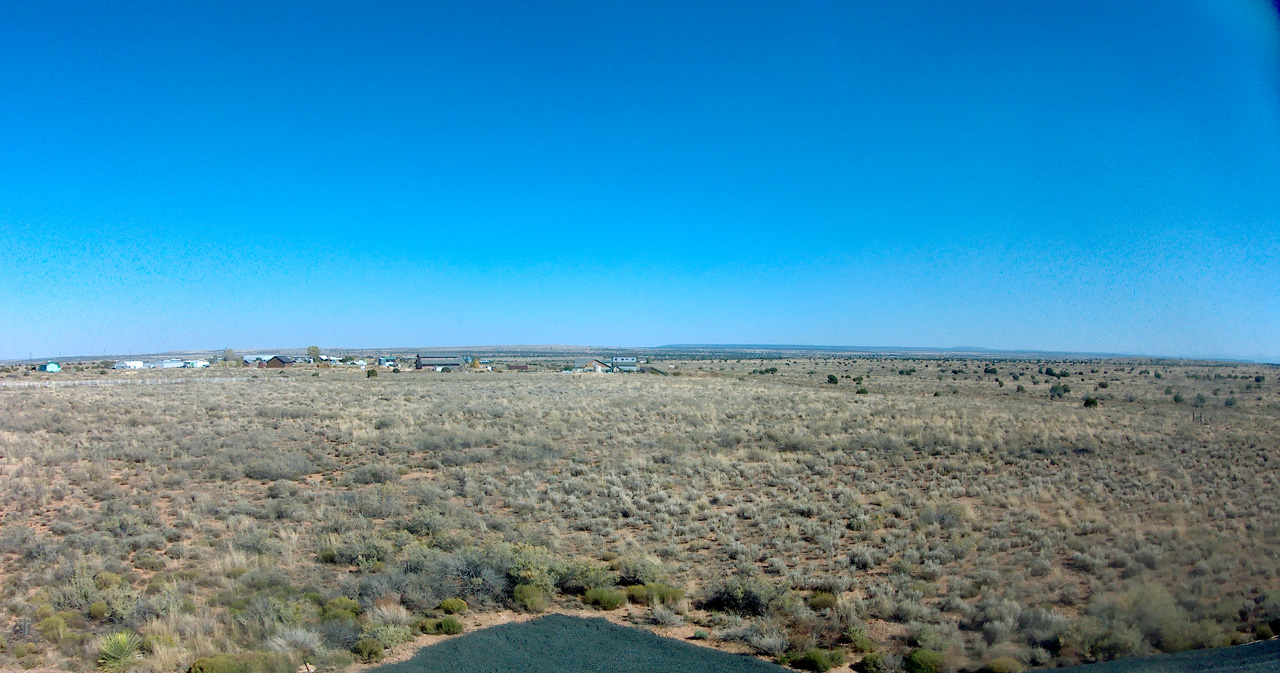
[(50, 366), (437, 362), (169, 364), (518, 368), (278, 362), (387, 362), (590, 365), (624, 364), (130, 364), (195, 364)]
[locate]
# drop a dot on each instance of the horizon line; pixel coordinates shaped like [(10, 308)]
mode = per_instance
[(1021, 353)]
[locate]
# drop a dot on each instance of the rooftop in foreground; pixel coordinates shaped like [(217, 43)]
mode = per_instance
[(564, 644), (1259, 657)]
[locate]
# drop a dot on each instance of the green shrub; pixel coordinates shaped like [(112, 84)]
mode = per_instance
[(119, 651), (863, 391), (637, 569), (859, 640), (924, 661), (580, 575), (453, 606), (427, 626), (148, 562), (1005, 665), (389, 635), (741, 595), (648, 594), (833, 379), (370, 374), (814, 659), (340, 608), (106, 580), (606, 599), (1263, 632), (701, 634), (53, 628), (872, 663), (531, 597), (821, 600), (218, 663), (1090, 402), (254, 662), (335, 661), (368, 649), (99, 610), (450, 625), (447, 624)]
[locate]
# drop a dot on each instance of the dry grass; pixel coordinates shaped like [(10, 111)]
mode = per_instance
[(944, 508)]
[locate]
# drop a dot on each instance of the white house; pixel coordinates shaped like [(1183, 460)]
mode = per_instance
[(130, 364), (590, 365)]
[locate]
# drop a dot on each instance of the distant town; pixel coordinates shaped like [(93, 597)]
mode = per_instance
[(439, 363)]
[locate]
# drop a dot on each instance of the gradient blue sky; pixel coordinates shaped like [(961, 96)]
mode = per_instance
[(1084, 176)]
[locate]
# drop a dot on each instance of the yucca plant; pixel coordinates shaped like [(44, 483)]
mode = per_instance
[(119, 651)]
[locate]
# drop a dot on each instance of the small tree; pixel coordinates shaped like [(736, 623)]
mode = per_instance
[(313, 352), (833, 379), (229, 356)]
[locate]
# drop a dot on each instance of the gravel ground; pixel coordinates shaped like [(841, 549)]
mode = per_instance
[(563, 644), (1261, 657)]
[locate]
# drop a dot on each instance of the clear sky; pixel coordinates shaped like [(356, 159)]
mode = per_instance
[(1084, 176)]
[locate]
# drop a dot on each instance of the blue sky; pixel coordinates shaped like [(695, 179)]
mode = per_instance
[(1084, 176)]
